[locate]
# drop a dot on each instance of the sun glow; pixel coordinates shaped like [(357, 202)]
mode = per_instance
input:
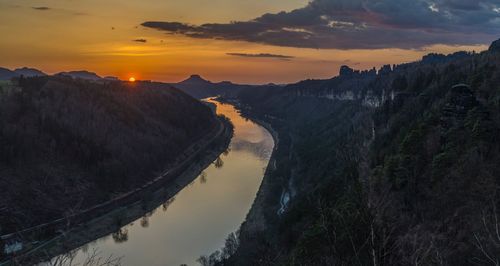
[(131, 79)]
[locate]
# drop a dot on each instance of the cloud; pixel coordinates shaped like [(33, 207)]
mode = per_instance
[(140, 40), (59, 10), (80, 14), (359, 24), (262, 55), (349, 62), (41, 8)]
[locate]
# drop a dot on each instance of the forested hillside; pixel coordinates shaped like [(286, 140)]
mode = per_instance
[(399, 167), (67, 144)]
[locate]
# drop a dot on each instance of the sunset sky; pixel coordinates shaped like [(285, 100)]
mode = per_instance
[(245, 41)]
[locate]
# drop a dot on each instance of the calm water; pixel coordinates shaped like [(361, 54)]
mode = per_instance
[(199, 218)]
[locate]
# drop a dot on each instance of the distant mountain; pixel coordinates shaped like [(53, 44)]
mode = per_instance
[(434, 58), (29, 72), (200, 88), (81, 74), (196, 80), (6, 74), (197, 87), (225, 83), (111, 78)]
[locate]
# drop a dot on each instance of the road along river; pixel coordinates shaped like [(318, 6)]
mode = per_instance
[(198, 219)]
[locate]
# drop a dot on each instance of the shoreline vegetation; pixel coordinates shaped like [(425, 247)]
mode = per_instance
[(125, 207), (254, 221), (114, 221), (155, 195)]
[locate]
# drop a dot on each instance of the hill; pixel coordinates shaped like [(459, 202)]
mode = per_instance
[(6, 74), (397, 167), (29, 72), (68, 144), (201, 88), (81, 74)]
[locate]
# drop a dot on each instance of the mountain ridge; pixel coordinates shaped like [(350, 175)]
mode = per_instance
[(82, 74), (199, 87), (387, 168), (6, 74)]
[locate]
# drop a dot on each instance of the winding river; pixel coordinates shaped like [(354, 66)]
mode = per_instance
[(199, 218)]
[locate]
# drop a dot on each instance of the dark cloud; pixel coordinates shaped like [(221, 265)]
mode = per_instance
[(41, 8), (175, 27), (80, 14), (360, 24), (140, 40), (62, 11), (349, 62), (262, 55)]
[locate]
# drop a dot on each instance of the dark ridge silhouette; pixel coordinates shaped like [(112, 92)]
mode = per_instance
[(111, 78), (195, 79), (81, 74), (70, 143), (29, 72), (6, 74), (200, 88), (495, 46), (381, 168)]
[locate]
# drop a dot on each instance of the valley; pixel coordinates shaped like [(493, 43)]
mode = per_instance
[(250, 133), (218, 198), (381, 167), (79, 178)]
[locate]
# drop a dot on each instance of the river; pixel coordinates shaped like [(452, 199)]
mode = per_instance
[(199, 218)]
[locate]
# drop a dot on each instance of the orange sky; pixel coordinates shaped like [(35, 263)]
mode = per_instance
[(98, 36)]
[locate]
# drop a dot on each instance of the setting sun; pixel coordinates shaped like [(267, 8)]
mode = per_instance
[(131, 79)]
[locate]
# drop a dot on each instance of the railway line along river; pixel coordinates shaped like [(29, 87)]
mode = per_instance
[(199, 218)]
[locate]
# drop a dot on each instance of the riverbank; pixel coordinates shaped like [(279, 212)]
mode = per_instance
[(145, 200), (255, 220)]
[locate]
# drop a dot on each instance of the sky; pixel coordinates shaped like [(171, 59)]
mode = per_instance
[(245, 41)]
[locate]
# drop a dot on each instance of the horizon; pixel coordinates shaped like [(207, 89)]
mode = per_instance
[(166, 41), (188, 76)]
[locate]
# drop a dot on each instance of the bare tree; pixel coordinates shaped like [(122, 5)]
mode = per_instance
[(488, 241), (93, 259)]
